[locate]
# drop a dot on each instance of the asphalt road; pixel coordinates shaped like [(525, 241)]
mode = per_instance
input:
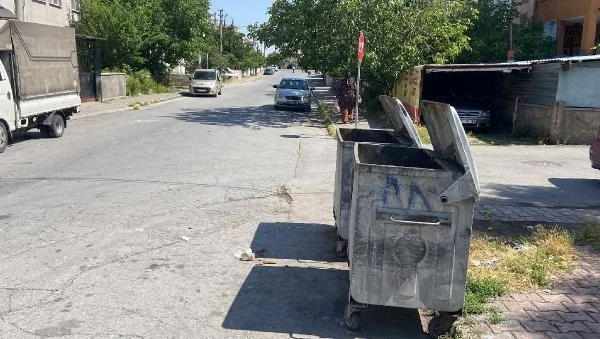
[(128, 225)]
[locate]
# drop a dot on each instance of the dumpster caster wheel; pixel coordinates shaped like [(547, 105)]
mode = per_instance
[(352, 318), (443, 324), (341, 248)]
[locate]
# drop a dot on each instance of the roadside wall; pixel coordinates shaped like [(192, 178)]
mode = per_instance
[(579, 125), (113, 85), (179, 80), (557, 123), (578, 87)]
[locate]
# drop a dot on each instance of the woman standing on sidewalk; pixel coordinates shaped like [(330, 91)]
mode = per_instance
[(347, 97)]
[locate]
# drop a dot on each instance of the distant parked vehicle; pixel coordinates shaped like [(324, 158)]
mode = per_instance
[(293, 93), (269, 71), (229, 73), (473, 114), (595, 151), (206, 82)]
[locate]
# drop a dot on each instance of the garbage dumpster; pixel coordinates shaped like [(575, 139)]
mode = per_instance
[(404, 133), (410, 223)]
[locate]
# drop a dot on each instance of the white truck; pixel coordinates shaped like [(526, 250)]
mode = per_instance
[(39, 79)]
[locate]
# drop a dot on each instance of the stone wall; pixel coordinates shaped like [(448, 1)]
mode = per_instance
[(557, 123), (179, 80)]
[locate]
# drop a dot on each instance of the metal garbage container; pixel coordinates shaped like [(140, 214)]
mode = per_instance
[(410, 223), (404, 133)]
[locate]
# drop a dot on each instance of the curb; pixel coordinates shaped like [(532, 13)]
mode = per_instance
[(126, 107)]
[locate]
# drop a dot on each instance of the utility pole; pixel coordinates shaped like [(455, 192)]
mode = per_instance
[(19, 10), (221, 18)]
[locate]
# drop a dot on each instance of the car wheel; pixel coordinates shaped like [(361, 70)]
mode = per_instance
[(277, 108)]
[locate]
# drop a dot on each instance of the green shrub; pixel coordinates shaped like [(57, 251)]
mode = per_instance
[(141, 82)]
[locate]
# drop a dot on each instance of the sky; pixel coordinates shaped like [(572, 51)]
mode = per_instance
[(243, 12)]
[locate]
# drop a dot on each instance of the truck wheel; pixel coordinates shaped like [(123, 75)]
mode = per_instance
[(57, 126), (3, 137)]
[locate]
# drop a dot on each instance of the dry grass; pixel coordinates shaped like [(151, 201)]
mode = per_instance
[(589, 234), (524, 264), (423, 134), (325, 112)]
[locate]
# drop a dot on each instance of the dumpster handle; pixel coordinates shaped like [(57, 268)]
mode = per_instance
[(410, 222), (408, 218)]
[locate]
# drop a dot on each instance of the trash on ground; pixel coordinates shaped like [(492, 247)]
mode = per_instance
[(184, 238), (519, 247), (245, 255), (269, 262)]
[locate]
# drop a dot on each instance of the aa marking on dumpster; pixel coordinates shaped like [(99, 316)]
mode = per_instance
[(392, 195)]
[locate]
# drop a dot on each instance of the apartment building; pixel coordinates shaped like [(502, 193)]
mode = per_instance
[(49, 12), (573, 23)]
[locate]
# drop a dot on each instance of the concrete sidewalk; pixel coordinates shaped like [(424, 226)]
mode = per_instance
[(570, 309)]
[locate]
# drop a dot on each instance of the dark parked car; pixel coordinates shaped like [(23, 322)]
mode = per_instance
[(595, 151), (293, 93), (269, 71)]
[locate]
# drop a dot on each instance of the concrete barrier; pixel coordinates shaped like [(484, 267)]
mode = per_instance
[(113, 85)]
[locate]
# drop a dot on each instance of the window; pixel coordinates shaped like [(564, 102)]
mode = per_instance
[(75, 5), (55, 2)]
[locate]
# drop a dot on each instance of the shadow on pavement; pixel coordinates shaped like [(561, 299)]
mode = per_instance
[(566, 193), (263, 116), (296, 241), (310, 301), (21, 136)]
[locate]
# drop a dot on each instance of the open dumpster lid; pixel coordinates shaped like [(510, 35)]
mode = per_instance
[(398, 115), (450, 143)]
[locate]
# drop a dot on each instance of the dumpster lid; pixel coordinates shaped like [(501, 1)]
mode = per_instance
[(450, 143), (399, 117)]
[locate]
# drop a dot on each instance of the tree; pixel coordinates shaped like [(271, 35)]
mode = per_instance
[(323, 34), (150, 34), (531, 43), (275, 58)]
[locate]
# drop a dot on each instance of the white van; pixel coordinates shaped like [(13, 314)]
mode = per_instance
[(206, 82)]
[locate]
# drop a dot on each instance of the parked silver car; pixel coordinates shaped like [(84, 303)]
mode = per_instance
[(206, 82), (293, 93), (473, 115)]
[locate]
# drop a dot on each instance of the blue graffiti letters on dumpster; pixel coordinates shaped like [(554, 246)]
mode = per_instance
[(391, 195)]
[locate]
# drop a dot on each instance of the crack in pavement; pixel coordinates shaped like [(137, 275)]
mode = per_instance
[(298, 155), (21, 289), (17, 326), (138, 181)]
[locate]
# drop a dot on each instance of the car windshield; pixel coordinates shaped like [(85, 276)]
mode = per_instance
[(205, 75), (293, 84)]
